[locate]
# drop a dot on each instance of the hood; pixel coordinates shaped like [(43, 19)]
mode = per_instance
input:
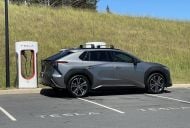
[(154, 64)]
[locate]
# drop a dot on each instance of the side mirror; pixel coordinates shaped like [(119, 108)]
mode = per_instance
[(135, 62)]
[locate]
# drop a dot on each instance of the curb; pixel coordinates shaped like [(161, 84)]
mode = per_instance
[(20, 91), (37, 90), (181, 86)]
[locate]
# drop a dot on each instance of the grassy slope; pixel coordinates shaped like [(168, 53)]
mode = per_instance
[(162, 41)]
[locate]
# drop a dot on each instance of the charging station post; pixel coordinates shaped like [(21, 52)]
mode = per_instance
[(26, 56), (7, 61)]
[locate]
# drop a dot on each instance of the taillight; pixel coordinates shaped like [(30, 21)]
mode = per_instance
[(55, 64), (61, 62)]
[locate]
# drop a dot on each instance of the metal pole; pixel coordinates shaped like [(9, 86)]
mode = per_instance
[(7, 45)]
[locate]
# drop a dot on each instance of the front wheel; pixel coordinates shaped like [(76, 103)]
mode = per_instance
[(78, 86), (156, 83)]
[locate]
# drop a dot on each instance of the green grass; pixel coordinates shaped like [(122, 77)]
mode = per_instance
[(163, 41)]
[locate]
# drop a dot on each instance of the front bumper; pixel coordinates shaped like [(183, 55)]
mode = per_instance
[(169, 80)]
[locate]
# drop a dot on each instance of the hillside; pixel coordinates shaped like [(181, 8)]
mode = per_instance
[(162, 41)]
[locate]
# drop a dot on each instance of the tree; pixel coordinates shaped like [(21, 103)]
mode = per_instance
[(84, 4), (89, 4), (108, 9)]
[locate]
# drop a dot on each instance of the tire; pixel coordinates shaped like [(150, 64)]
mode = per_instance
[(155, 83), (78, 86)]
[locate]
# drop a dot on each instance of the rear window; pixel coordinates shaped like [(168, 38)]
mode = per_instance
[(58, 55)]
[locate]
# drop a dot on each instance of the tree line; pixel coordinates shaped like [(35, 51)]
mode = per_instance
[(84, 4)]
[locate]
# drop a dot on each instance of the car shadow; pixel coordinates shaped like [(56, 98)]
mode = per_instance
[(49, 92)]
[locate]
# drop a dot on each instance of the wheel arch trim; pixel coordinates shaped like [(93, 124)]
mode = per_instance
[(73, 72), (161, 70)]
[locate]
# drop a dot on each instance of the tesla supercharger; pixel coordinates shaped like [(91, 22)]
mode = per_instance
[(26, 52)]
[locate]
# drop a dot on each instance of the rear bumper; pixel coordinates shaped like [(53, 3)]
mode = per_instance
[(46, 80), (54, 81)]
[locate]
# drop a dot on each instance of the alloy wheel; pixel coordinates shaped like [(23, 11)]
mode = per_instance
[(156, 83), (79, 86)]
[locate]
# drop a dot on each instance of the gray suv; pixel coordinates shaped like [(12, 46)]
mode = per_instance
[(81, 69)]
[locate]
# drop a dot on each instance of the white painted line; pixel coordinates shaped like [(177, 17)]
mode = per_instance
[(169, 98), (7, 114), (102, 105)]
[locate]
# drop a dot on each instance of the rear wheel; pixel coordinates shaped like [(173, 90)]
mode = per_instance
[(78, 86), (156, 83)]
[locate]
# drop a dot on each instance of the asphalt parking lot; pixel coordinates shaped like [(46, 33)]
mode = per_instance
[(121, 108)]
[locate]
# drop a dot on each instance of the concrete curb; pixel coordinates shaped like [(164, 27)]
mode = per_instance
[(20, 91), (181, 86), (37, 90)]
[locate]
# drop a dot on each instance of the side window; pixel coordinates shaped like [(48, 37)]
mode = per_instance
[(99, 56), (121, 57), (84, 56)]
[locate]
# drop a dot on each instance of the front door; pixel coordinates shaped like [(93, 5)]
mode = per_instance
[(125, 70)]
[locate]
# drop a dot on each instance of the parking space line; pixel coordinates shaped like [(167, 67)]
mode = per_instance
[(7, 114), (169, 98), (116, 110)]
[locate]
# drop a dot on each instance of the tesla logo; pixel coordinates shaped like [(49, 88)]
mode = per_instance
[(27, 45)]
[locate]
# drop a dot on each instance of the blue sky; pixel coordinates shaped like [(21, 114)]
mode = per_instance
[(167, 9)]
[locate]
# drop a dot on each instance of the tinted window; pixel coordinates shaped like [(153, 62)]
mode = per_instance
[(58, 55), (121, 57), (84, 56), (99, 56)]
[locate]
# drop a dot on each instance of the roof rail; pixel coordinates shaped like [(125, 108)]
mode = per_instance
[(97, 47)]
